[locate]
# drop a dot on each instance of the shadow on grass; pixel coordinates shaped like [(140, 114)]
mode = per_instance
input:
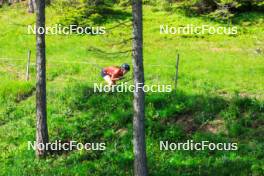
[(242, 17), (108, 117), (104, 54), (248, 18), (207, 167), (164, 109)]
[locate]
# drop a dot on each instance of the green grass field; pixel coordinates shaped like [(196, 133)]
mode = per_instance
[(219, 97)]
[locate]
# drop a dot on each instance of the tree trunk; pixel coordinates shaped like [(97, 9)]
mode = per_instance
[(31, 6), (42, 128), (1, 2), (10, 2), (140, 161)]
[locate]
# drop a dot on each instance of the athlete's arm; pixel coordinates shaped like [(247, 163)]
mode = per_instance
[(116, 76), (113, 78)]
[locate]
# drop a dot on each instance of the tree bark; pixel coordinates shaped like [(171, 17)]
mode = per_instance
[(140, 161), (10, 2), (31, 6), (41, 114)]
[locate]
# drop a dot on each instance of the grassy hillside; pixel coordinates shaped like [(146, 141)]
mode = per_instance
[(219, 97)]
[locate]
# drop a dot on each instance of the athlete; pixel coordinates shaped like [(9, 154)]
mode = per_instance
[(112, 74)]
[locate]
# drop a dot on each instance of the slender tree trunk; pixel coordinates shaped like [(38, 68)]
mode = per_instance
[(10, 2), (42, 128), (31, 6), (1, 2), (140, 161)]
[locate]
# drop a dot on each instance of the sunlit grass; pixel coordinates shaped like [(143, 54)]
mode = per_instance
[(213, 71)]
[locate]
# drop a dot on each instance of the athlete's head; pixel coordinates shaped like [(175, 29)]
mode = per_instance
[(125, 68)]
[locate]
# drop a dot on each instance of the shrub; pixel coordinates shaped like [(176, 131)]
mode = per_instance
[(221, 9), (86, 13)]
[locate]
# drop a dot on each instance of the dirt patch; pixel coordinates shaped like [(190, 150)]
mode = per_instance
[(122, 132), (215, 126), (217, 49), (226, 94), (186, 121), (258, 123)]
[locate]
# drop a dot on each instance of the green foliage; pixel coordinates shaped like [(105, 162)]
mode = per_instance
[(221, 14), (221, 9), (88, 12), (212, 68)]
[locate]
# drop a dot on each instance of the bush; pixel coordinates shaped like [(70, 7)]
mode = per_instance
[(222, 9), (86, 13)]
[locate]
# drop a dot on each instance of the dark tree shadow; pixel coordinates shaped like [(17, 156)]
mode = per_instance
[(112, 112)]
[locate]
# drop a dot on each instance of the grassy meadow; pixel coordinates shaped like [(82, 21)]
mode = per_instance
[(219, 96)]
